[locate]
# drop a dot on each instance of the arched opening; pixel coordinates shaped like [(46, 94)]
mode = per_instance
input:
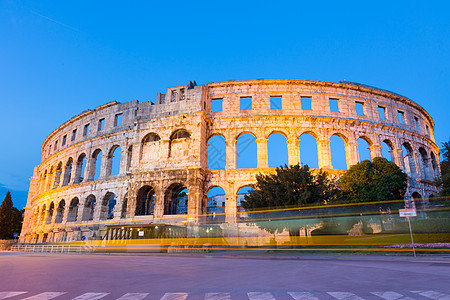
[(68, 171), (176, 199), (107, 206), (96, 164), (49, 179), (363, 149), (217, 153), (246, 152), (387, 150), (408, 159), (151, 137), (58, 172), (240, 198), (89, 208), (129, 157), (417, 197), (434, 165), (277, 150), (60, 211), (51, 209), (145, 202), (309, 155), (123, 213), (73, 210), (150, 147), (338, 153), (179, 143), (81, 166), (114, 160), (42, 217), (425, 164), (215, 207), (42, 182), (36, 217)]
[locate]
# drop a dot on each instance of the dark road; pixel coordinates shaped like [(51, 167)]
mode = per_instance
[(259, 276)]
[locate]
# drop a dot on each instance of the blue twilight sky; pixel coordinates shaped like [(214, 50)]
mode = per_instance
[(58, 58)]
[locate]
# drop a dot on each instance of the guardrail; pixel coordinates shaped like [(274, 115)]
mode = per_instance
[(51, 248)]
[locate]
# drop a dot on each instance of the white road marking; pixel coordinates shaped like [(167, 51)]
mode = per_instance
[(217, 296), (4, 295), (133, 296), (91, 296), (260, 296), (345, 296), (391, 295), (174, 296), (302, 296), (45, 296), (433, 295)]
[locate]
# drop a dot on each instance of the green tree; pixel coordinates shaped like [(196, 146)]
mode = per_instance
[(444, 181), (10, 218), (371, 181), (293, 186)]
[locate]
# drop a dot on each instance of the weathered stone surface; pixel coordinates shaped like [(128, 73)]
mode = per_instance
[(165, 146)]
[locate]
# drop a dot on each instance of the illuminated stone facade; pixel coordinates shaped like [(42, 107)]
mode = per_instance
[(163, 149)]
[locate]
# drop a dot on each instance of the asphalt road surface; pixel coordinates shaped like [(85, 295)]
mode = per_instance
[(221, 277)]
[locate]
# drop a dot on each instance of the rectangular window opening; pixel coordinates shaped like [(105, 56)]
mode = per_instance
[(334, 105), (359, 108), (182, 94), (306, 103), (118, 120), (381, 112), (74, 135), (428, 130), (101, 124), (246, 103), (64, 140), (401, 117), (276, 103), (86, 130), (216, 105), (56, 145), (416, 122)]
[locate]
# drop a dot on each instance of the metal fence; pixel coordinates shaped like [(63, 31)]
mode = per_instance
[(50, 248)]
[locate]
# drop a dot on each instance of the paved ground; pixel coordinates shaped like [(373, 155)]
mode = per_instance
[(227, 276)]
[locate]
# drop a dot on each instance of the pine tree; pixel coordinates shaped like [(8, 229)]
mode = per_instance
[(10, 218), (444, 181)]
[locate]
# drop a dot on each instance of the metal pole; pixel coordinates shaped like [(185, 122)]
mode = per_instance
[(412, 241)]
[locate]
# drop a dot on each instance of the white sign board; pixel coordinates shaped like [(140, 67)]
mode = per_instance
[(141, 233), (407, 212)]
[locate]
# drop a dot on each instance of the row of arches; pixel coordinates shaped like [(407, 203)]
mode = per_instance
[(247, 151), (84, 168), (76, 211), (98, 165), (175, 202), (337, 152)]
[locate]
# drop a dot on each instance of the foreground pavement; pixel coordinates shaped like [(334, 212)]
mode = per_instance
[(253, 276)]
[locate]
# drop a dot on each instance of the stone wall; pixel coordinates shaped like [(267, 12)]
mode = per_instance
[(163, 149)]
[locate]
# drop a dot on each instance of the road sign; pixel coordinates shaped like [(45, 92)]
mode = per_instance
[(407, 212), (83, 238), (16, 234)]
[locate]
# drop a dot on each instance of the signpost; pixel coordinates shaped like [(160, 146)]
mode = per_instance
[(406, 213)]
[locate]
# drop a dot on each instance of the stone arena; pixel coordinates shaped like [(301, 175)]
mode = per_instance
[(162, 148)]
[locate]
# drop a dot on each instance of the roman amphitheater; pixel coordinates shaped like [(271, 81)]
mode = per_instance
[(125, 164)]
